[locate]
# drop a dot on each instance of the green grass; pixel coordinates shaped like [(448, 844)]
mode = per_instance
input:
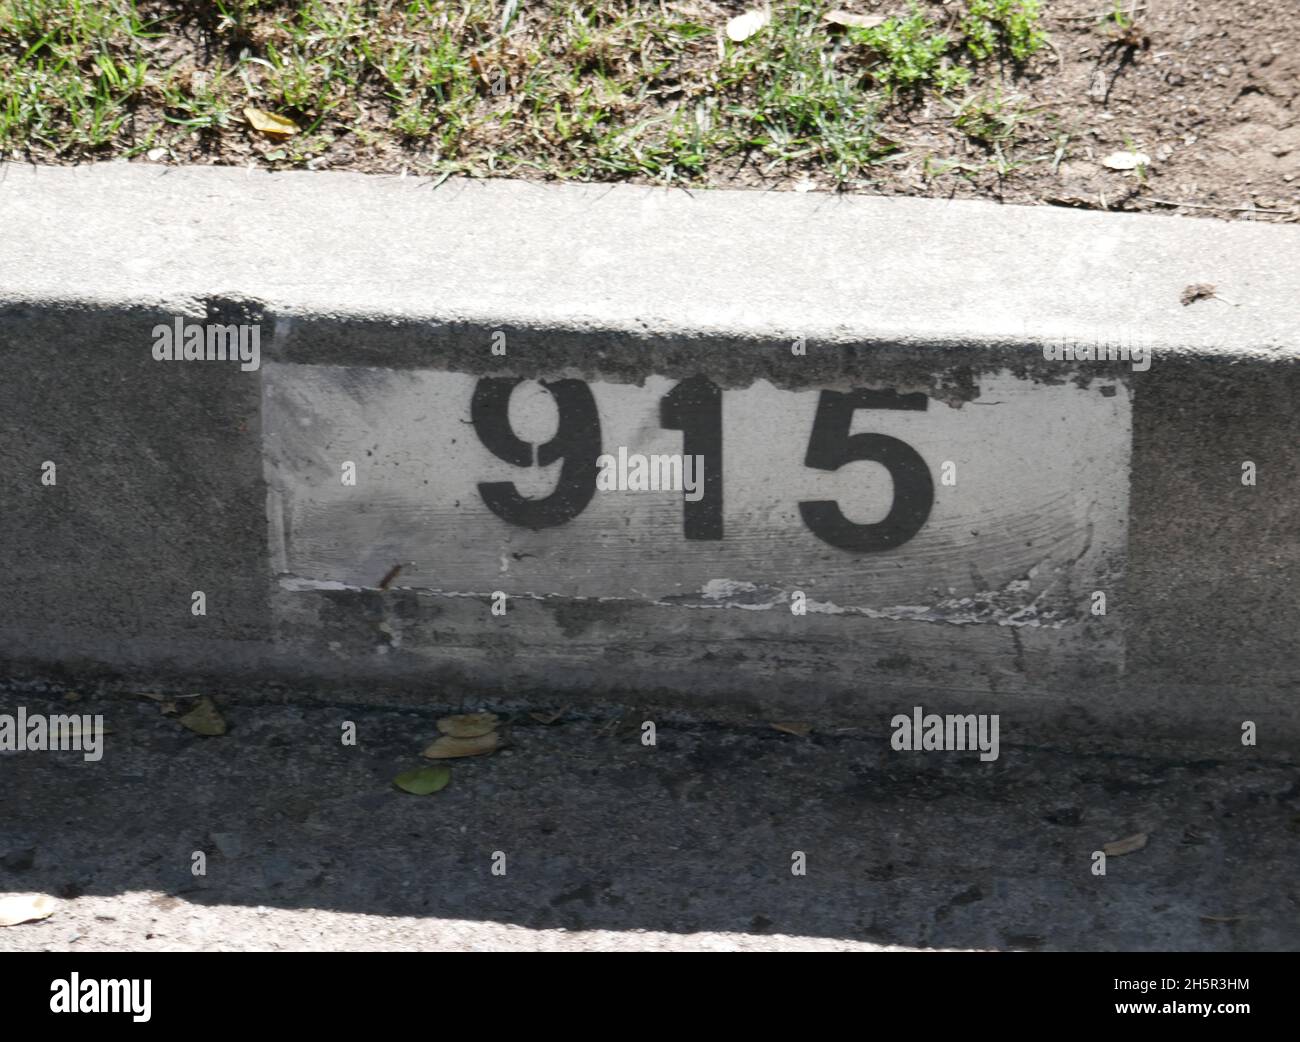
[(1117, 16), (569, 89), (988, 118), (783, 97), (910, 55), (1003, 27)]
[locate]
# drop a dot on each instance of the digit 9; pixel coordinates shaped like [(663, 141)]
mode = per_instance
[(576, 442)]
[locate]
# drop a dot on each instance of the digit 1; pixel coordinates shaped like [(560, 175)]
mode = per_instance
[(694, 407), (576, 441)]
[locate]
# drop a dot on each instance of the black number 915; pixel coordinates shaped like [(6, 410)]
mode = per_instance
[(694, 407)]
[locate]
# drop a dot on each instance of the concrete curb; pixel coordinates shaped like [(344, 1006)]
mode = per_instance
[(379, 296)]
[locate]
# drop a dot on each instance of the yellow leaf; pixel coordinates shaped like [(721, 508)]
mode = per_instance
[(423, 780), (1127, 845), (468, 725), (204, 719), (448, 748), (269, 123), (793, 727)]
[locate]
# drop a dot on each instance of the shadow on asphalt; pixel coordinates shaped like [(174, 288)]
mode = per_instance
[(697, 833)]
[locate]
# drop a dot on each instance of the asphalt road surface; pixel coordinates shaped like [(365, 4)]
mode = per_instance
[(612, 844)]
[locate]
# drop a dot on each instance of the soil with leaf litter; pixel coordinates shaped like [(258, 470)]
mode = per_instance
[(1185, 106)]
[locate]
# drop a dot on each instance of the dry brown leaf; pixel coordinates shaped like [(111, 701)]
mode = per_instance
[(857, 21), (794, 727), (269, 123), (549, 718), (1127, 845), (204, 718), (1222, 918), (1126, 160), (468, 725), (743, 26), (1197, 291), (449, 748), (26, 908), (618, 723)]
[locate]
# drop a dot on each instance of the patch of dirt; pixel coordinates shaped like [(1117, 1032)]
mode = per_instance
[(1209, 90)]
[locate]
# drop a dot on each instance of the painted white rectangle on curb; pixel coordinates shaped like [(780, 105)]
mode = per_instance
[(1008, 509)]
